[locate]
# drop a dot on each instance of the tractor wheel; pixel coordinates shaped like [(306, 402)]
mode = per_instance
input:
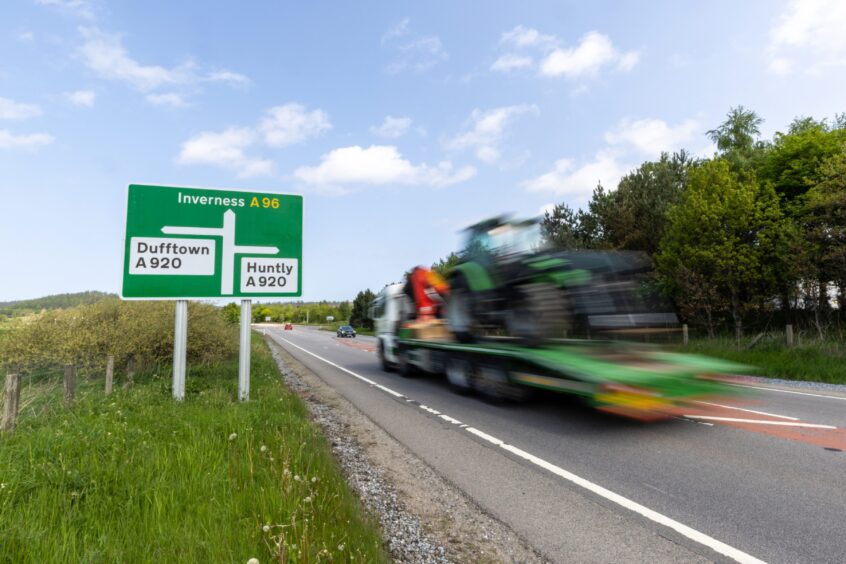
[(540, 312), (459, 310)]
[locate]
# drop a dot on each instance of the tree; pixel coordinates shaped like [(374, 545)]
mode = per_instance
[(725, 242), (344, 311), (562, 227), (736, 139), (634, 217), (231, 313), (361, 304), (445, 265)]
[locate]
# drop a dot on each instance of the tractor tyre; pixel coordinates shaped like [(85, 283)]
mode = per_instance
[(460, 312)]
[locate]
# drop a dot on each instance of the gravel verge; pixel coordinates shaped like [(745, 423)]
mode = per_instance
[(424, 518)]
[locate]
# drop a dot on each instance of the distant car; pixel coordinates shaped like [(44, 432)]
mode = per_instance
[(346, 331), (289, 327)]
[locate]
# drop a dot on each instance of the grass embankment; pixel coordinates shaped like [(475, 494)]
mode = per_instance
[(136, 477), (816, 361)]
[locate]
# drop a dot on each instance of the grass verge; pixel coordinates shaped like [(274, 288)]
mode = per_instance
[(136, 477), (816, 361)]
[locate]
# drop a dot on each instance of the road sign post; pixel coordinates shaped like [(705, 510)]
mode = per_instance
[(203, 243), (244, 356), (180, 349)]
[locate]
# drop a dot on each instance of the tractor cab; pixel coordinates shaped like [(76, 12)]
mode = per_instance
[(503, 239)]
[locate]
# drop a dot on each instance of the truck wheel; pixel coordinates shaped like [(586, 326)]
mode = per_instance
[(404, 366), (459, 310), (491, 382), (459, 373), (539, 313), (387, 366)]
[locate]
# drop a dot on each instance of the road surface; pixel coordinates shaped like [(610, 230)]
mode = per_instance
[(748, 482)]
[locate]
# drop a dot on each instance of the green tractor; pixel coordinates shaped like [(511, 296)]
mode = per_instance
[(509, 284)]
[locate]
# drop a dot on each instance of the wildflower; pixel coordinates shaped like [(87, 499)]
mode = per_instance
[(253, 561), (307, 499), (263, 448), (314, 479), (340, 547), (297, 478), (266, 528), (286, 471), (233, 436)]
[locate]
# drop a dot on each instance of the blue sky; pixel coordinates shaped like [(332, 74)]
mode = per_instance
[(399, 122)]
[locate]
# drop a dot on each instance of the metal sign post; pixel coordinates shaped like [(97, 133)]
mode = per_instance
[(180, 349), (205, 243), (244, 356)]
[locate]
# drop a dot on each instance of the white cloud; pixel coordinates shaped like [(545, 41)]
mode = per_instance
[(104, 54), (82, 8), (229, 77), (392, 127), (225, 150), (511, 61), (809, 34), (399, 29), (9, 109), (414, 52), (522, 37), (81, 98), (9, 140), (484, 130), (292, 123), (378, 164), (652, 136), (567, 180), (167, 99), (593, 52), (26, 36)]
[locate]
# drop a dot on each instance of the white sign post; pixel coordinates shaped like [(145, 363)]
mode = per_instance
[(180, 349), (244, 357)]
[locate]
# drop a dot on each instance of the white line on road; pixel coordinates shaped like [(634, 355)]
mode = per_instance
[(841, 398), (748, 410), (762, 422), (684, 530)]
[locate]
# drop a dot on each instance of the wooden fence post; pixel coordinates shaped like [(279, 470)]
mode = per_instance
[(70, 384), (11, 403), (788, 333), (110, 374), (684, 334), (130, 373)]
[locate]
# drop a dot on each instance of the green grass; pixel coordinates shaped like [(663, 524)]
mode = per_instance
[(817, 361), (137, 477)]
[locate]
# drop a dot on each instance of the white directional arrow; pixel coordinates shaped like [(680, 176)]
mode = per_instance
[(230, 249)]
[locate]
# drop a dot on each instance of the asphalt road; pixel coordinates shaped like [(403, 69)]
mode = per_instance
[(753, 480)]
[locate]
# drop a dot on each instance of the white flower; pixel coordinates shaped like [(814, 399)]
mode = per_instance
[(286, 471), (340, 547), (266, 528), (233, 436), (253, 561), (307, 499), (297, 478), (263, 448), (314, 479)]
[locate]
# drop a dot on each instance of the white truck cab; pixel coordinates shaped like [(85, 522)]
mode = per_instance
[(387, 312)]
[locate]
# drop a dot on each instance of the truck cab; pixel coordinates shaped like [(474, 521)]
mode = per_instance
[(388, 311)]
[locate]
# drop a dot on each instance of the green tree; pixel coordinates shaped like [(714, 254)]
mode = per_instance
[(361, 304), (231, 313), (445, 265), (344, 311), (725, 242), (562, 227)]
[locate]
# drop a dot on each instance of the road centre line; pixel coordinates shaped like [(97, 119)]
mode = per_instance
[(684, 530), (748, 410), (761, 422), (841, 398)]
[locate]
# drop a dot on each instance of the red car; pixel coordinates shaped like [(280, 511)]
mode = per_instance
[(289, 327)]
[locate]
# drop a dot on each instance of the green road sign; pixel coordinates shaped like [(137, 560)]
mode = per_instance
[(185, 243)]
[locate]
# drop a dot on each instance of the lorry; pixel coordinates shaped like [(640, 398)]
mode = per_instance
[(476, 342)]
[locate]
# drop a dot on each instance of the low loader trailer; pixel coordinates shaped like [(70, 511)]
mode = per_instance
[(635, 380)]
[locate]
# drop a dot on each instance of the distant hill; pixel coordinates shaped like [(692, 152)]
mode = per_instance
[(57, 301)]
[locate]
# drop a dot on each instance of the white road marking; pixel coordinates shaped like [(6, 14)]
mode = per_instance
[(748, 410), (761, 422), (841, 398), (684, 530)]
